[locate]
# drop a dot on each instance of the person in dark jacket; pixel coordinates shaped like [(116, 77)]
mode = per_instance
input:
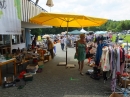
[(34, 43)]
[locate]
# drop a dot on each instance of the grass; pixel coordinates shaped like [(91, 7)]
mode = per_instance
[(127, 38)]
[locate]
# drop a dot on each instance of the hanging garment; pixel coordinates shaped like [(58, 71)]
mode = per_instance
[(110, 57), (122, 68), (105, 59), (113, 85), (118, 59), (113, 82), (114, 59), (122, 56), (99, 53), (114, 69)]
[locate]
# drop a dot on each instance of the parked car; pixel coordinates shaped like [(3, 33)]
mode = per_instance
[(106, 40), (120, 40)]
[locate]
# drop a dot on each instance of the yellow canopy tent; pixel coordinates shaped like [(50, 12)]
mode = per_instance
[(66, 20)]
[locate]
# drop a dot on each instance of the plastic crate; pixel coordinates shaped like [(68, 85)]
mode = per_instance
[(41, 66), (28, 77)]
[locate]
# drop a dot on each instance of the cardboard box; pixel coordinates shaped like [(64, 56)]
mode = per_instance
[(47, 57), (40, 63), (32, 69), (125, 83), (42, 58), (9, 79), (116, 95)]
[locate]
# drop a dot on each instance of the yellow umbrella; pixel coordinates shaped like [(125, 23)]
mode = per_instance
[(66, 20), (45, 36)]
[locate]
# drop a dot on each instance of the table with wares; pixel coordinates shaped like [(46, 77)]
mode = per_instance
[(4, 62)]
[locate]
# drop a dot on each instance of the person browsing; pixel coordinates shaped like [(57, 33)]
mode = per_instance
[(50, 47), (62, 42), (81, 52)]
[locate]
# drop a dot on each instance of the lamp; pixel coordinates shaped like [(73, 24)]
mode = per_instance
[(2, 4)]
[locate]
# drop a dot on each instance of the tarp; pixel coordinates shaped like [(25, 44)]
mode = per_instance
[(75, 32), (84, 31), (100, 32)]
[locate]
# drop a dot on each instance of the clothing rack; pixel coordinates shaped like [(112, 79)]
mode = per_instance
[(125, 88), (121, 91)]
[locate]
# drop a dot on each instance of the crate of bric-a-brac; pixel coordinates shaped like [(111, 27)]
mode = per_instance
[(40, 66), (32, 69), (35, 61), (8, 82), (28, 56), (41, 52)]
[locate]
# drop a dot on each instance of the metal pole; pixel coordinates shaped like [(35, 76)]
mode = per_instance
[(66, 44)]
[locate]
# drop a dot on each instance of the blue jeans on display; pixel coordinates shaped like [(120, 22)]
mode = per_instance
[(62, 46)]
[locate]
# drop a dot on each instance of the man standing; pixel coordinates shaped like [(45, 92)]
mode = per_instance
[(62, 42), (50, 47), (73, 40)]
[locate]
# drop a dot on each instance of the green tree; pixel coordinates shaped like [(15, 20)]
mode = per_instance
[(36, 32), (123, 26), (119, 28)]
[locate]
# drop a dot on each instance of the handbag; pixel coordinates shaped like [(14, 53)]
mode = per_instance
[(75, 56)]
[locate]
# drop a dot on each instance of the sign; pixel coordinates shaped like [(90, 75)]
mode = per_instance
[(10, 17)]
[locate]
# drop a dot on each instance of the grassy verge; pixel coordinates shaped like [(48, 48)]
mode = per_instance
[(127, 38)]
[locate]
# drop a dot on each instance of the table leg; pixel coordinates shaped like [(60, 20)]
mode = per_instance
[(7, 68), (0, 76), (15, 72)]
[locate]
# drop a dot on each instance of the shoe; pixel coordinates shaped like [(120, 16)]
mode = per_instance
[(82, 74)]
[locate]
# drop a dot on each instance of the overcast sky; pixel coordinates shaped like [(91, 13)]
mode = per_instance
[(109, 9)]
